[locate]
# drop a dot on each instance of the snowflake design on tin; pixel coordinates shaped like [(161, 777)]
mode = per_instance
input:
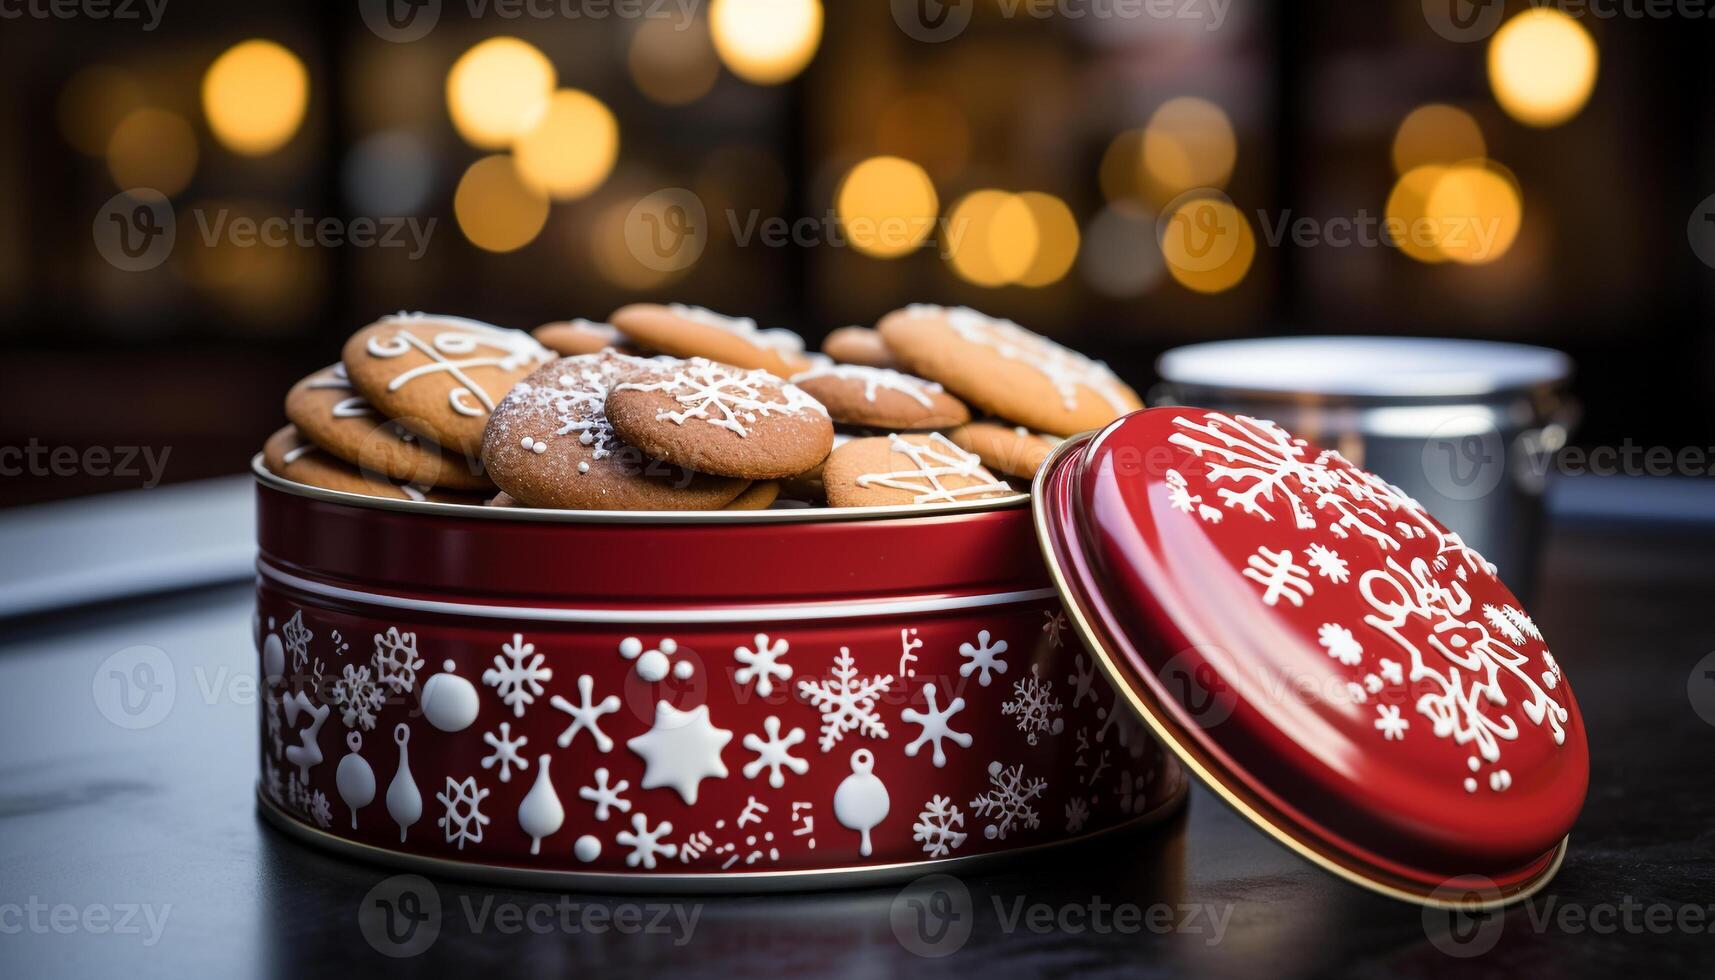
[(1180, 498), (772, 754), (319, 809), (505, 754), (396, 661), (1054, 626), (645, 844), (1006, 803), (1083, 680), (605, 797), (357, 697), (518, 675), (984, 657), (297, 638), (1390, 723), (932, 461), (1340, 644), (272, 713), (936, 726), (847, 701), (587, 715), (725, 397), (1077, 812), (762, 664), (463, 820), (1327, 563), (1391, 672), (937, 827), (1034, 706), (1279, 576), (1134, 793)]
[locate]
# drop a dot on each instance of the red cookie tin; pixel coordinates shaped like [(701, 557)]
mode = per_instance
[(729, 701), (1329, 658)]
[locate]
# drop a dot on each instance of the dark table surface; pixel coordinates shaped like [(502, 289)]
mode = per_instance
[(139, 852)]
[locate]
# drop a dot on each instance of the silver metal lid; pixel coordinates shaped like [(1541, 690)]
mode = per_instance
[(1365, 367)]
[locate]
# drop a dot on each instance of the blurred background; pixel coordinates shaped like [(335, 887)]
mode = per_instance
[(202, 199)]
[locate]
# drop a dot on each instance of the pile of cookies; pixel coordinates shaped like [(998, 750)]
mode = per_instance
[(678, 408)]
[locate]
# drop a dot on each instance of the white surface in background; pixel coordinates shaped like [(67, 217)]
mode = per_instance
[(115, 545), (1365, 366)]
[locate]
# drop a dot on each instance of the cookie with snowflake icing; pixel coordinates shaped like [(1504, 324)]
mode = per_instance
[(1010, 449), (858, 345), (714, 418), (569, 338), (1007, 371), (691, 331), (291, 456), (881, 398), (550, 444), (882, 471), (439, 376), (329, 412)]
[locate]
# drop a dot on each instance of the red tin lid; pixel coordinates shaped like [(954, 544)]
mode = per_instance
[(1324, 654)]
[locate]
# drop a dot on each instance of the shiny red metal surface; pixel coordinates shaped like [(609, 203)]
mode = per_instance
[(391, 640), (1336, 662)]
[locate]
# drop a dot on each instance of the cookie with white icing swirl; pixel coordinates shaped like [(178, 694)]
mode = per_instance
[(329, 412)]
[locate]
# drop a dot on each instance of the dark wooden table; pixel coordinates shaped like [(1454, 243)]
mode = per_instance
[(102, 827)]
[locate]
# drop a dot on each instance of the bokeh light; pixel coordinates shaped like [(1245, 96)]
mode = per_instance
[(92, 105), (991, 237), (1121, 174), (887, 206), (614, 253), (928, 128), (497, 90), (254, 96), (1207, 244), (152, 148), (672, 62), (1542, 67), (1436, 133), (1189, 143), (1478, 207), (766, 41), (1121, 257), (1056, 239), (1407, 214), (496, 210), (571, 148)]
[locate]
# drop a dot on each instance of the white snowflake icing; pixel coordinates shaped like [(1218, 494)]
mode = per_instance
[(320, 810), (605, 797), (645, 844), (847, 701), (1006, 803), (396, 661), (937, 827), (1033, 706), (984, 657), (463, 819), (518, 675), (586, 716), (874, 380), (1327, 563), (505, 754), (1077, 812), (772, 753), (357, 697), (725, 397), (762, 664), (1066, 369), (456, 349), (935, 723), (1180, 498), (1279, 576), (1340, 644), (297, 638), (1390, 723), (933, 461)]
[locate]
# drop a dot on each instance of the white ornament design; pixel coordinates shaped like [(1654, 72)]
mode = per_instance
[(540, 813), (930, 465), (1077, 812), (319, 809), (587, 715), (1007, 802), (1054, 625), (645, 844), (861, 801), (1180, 498), (847, 701), (725, 397), (396, 661), (404, 802), (1340, 644), (984, 657), (297, 637), (354, 778), (937, 827), (518, 675), (653, 665), (463, 819), (1083, 680), (505, 755), (762, 664), (1279, 576), (1389, 722), (357, 697), (606, 798), (449, 701), (936, 726), (1034, 706), (772, 754), (1327, 563), (306, 755), (681, 750)]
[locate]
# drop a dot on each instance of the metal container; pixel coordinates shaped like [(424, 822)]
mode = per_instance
[(737, 701), (1468, 428)]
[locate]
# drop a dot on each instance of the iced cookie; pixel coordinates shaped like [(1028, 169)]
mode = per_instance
[(758, 496), (1007, 371), (1010, 449), (439, 376), (331, 414), (881, 398), (549, 444), (289, 455), (858, 345), (691, 331), (906, 469), (718, 419), (570, 338)]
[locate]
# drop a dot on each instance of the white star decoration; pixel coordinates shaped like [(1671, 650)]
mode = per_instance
[(681, 750)]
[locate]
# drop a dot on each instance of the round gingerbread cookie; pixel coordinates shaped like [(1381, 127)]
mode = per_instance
[(330, 413), (858, 345), (718, 419), (569, 338), (439, 376), (1010, 449), (289, 455), (907, 469), (691, 331), (549, 444), (1006, 370), (758, 496), (881, 398)]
